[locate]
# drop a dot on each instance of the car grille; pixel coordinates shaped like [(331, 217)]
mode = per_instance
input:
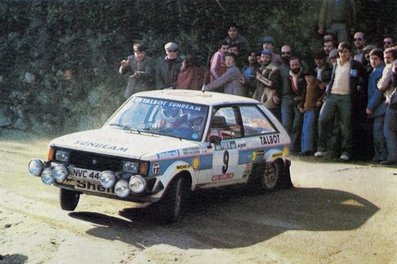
[(93, 161)]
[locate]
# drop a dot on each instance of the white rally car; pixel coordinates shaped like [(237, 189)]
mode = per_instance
[(159, 146)]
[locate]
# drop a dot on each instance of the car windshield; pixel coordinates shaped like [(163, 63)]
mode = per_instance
[(162, 117)]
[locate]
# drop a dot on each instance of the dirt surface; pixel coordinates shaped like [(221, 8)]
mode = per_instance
[(337, 213)]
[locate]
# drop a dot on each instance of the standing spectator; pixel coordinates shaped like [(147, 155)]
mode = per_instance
[(235, 38), (217, 62), (323, 69), (341, 92), (338, 17), (367, 63), (287, 101), (376, 106), (235, 48), (386, 86), (168, 67), (333, 56), (310, 107), (190, 76), (388, 42), (330, 45), (292, 117), (140, 70), (229, 82), (268, 43), (359, 42), (268, 84), (249, 72)]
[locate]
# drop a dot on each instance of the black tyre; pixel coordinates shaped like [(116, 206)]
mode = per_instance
[(271, 176), (68, 199), (174, 203)]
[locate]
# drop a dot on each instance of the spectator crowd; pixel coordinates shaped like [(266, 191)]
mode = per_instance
[(339, 107)]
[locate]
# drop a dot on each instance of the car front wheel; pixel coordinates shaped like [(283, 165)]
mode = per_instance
[(175, 201), (68, 199)]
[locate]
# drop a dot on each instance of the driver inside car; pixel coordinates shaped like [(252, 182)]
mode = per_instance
[(171, 118)]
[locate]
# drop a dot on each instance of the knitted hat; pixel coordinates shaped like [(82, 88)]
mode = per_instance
[(266, 52)]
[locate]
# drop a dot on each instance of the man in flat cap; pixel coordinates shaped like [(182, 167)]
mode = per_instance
[(168, 67)]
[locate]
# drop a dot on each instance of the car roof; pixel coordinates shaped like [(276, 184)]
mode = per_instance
[(197, 97)]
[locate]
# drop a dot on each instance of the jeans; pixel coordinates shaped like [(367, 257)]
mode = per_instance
[(390, 132), (292, 121), (380, 150), (309, 131), (339, 105)]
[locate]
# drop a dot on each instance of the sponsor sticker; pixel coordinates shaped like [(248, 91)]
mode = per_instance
[(270, 139), (222, 177), (156, 168), (196, 163), (92, 186)]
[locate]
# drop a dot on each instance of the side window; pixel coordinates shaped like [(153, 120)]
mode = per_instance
[(224, 124), (255, 121)]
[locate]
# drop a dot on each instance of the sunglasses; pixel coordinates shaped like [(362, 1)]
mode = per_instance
[(172, 50)]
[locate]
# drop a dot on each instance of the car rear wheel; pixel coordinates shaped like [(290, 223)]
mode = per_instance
[(68, 199), (175, 201), (271, 176)]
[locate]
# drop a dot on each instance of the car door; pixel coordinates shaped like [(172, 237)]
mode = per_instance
[(225, 157)]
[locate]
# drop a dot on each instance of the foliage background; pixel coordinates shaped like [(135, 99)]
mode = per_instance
[(40, 39)]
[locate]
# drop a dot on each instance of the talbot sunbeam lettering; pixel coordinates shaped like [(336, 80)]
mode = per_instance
[(270, 139), (162, 145)]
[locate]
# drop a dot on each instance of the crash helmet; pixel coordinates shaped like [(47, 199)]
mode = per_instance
[(171, 114)]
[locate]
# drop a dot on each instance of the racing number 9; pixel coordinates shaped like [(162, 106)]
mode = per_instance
[(225, 161)]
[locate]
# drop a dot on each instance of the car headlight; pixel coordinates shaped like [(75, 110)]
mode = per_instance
[(35, 167), (137, 184), (121, 189), (46, 176), (60, 172), (131, 167), (62, 155), (107, 179)]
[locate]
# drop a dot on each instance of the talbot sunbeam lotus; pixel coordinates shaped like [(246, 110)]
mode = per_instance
[(160, 146)]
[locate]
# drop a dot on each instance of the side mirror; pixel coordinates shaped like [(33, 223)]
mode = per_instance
[(215, 139)]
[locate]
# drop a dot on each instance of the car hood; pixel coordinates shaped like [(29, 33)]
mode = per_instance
[(122, 143)]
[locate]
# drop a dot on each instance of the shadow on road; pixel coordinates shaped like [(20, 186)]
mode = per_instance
[(234, 218), (13, 259)]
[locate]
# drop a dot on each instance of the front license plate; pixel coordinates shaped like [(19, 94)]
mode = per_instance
[(83, 174)]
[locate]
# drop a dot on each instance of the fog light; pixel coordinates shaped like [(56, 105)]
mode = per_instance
[(35, 167), (137, 184), (107, 179), (60, 172), (46, 176), (121, 189)]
